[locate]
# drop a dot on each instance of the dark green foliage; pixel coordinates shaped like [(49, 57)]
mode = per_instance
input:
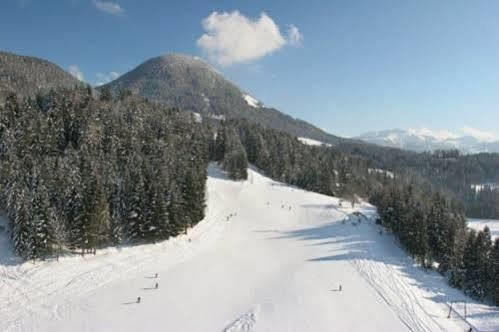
[(478, 269), (494, 285), (105, 94), (27, 76), (432, 230), (284, 158), (82, 173), (445, 171), (229, 151)]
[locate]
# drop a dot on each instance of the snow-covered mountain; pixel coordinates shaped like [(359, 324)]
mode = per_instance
[(429, 140)]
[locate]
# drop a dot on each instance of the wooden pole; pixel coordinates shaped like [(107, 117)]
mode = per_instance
[(450, 309)]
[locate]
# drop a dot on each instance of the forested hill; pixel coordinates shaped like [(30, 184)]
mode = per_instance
[(450, 171), (26, 76), (77, 173), (191, 84)]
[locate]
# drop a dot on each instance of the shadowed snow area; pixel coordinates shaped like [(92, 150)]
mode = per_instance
[(267, 257)]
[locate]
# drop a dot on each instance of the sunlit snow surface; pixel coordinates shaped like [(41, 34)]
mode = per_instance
[(313, 142), (251, 101), (267, 257), (479, 224)]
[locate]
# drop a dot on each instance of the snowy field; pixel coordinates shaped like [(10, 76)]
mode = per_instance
[(479, 224), (313, 142), (267, 257)]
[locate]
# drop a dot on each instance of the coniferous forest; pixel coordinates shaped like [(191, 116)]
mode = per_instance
[(80, 172)]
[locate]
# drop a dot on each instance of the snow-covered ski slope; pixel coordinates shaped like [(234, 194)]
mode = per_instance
[(267, 257)]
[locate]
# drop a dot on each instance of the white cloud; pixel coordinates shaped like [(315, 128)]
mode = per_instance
[(106, 78), (76, 72), (481, 135), (231, 38), (295, 37), (109, 7)]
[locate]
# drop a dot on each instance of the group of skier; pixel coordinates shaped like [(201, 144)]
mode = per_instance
[(282, 206), (230, 216), (156, 286)]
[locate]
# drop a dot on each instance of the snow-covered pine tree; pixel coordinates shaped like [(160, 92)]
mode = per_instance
[(18, 204), (494, 287), (41, 234)]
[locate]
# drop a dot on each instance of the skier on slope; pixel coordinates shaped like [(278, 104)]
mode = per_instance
[(156, 286), (138, 299)]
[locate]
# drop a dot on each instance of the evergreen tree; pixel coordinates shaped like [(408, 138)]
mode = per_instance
[(494, 287)]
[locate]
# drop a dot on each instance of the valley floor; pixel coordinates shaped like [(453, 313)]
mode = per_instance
[(267, 257)]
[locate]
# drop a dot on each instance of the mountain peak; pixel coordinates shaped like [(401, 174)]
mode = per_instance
[(192, 84), (424, 139), (180, 58)]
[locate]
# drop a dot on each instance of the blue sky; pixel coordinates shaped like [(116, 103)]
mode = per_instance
[(346, 66)]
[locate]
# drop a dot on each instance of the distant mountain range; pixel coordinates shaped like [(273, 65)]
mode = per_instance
[(191, 84), (426, 140), (27, 75)]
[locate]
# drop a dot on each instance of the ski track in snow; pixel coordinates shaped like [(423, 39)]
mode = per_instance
[(272, 259), (398, 295), (245, 323), (29, 286)]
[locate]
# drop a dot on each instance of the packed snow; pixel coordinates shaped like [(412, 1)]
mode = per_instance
[(381, 171), (479, 224), (313, 142), (482, 186), (197, 117), (267, 257), (251, 101)]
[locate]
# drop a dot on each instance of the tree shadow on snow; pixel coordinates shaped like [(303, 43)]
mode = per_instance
[(342, 241)]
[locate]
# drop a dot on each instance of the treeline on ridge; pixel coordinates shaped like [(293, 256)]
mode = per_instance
[(449, 171)]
